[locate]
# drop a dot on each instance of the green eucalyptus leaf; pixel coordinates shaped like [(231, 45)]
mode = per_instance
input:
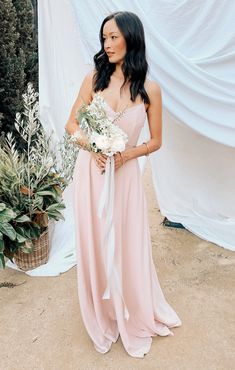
[(55, 206), (38, 200), (7, 215), (8, 230), (46, 192), (24, 231), (23, 218), (56, 215), (20, 238)]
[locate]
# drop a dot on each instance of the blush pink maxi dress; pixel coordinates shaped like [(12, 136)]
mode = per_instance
[(149, 314)]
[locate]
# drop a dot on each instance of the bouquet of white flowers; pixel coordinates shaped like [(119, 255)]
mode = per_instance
[(103, 135)]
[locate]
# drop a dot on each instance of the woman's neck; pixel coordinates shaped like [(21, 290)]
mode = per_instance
[(118, 72)]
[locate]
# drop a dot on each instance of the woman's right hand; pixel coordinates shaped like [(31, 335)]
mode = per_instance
[(100, 160)]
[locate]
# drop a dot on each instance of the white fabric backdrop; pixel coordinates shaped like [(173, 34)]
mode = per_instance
[(191, 52)]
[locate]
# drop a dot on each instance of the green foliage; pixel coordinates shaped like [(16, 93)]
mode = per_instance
[(12, 64), (18, 59), (27, 39), (31, 181)]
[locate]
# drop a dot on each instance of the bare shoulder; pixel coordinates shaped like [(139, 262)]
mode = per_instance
[(88, 80), (154, 93), (86, 89), (152, 88), (89, 76)]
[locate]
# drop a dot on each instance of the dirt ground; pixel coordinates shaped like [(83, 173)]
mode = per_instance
[(42, 329)]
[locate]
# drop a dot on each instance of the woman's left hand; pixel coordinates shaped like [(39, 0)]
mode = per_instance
[(118, 160)]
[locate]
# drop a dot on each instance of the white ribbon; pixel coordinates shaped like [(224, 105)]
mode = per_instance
[(107, 204)]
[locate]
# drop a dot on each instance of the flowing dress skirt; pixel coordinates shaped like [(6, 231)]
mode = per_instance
[(104, 319)]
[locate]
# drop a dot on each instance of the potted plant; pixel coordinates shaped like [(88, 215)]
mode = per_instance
[(31, 187)]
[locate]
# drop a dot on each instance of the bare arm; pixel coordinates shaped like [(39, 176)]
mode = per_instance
[(155, 125), (84, 96), (72, 125)]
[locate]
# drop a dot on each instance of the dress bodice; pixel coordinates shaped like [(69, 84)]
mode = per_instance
[(130, 121)]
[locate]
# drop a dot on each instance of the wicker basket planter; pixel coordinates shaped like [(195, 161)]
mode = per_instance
[(40, 255)]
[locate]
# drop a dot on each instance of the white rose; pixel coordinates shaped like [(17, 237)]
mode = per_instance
[(118, 145), (102, 142)]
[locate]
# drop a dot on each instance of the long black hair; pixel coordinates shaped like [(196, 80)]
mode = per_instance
[(134, 66)]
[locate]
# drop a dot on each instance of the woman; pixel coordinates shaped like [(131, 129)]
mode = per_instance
[(136, 308)]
